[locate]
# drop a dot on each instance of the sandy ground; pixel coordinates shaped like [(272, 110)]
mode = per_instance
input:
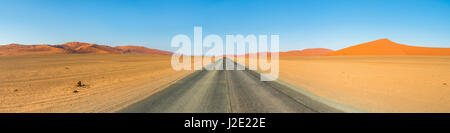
[(374, 83), (48, 83)]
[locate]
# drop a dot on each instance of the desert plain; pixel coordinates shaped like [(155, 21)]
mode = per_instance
[(48, 83), (374, 83), (109, 82)]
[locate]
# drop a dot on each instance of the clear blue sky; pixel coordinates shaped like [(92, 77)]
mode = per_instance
[(301, 24)]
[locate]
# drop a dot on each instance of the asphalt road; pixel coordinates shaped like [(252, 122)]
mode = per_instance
[(226, 91)]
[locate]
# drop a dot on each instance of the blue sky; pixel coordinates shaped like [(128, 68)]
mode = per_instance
[(333, 24)]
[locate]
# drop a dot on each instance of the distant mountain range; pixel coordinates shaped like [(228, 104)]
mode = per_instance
[(76, 48), (378, 47)]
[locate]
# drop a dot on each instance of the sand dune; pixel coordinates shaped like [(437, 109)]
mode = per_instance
[(307, 52), (142, 50), (48, 83), (75, 48), (78, 47), (17, 49), (304, 52), (387, 47)]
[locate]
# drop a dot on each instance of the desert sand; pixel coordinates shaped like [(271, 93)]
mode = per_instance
[(374, 83), (49, 83)]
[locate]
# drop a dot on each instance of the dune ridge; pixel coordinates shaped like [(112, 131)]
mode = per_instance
[(304, 52), (387, 47), (308, 52), (75, 48), (142, 50)]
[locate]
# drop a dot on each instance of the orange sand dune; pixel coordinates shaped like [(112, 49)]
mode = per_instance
[(17, 49), (75, 48), (101, 49), (307, 52), (142, 50), (387, 47), (79, 47)]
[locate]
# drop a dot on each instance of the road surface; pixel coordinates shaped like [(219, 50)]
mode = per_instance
[(225, 91)]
